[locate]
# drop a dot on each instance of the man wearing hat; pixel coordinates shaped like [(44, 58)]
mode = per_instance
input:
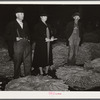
[(74, 32), (18, 30), (43, 50)]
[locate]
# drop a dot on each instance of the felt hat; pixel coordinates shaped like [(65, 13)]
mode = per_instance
[(19, 9), (76, 14), (43, 13)]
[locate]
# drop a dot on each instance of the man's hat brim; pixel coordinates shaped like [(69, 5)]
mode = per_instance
[(43, 14)]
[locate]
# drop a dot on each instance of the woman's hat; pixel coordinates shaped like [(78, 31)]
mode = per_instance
[(19, 9)]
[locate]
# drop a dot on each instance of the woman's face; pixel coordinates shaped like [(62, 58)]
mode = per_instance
[(20, 16), (44, 18)]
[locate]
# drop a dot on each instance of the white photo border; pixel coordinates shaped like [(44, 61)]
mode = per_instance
[(81, 95)]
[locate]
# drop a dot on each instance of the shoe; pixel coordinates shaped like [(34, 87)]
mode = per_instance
[(45, 74), (34, 72)]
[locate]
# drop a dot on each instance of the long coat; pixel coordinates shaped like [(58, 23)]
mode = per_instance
[(69, 30), (40, 58)]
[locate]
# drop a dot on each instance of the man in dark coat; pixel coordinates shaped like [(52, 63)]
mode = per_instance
[(43, 49), (18, 30), (74, 32)]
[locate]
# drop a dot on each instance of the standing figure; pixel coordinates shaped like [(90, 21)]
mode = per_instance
[(74, 38), (43, 50), (19, 32)]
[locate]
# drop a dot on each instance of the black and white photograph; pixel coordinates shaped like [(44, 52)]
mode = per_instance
[(49, 47)]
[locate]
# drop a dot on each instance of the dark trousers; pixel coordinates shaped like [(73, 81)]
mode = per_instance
[(22, 53)]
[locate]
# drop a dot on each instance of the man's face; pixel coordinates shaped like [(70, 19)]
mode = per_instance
[(44, 18), (76, 17), (20, 15)]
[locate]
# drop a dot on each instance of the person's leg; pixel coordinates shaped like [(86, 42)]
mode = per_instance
[(47, 68), (70, 51), (76, 50), (77, 47), (27, 59), (35, 64), (18, 52), (41, 70)]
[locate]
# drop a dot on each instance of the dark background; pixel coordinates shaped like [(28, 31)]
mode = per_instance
[(57, 15)]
